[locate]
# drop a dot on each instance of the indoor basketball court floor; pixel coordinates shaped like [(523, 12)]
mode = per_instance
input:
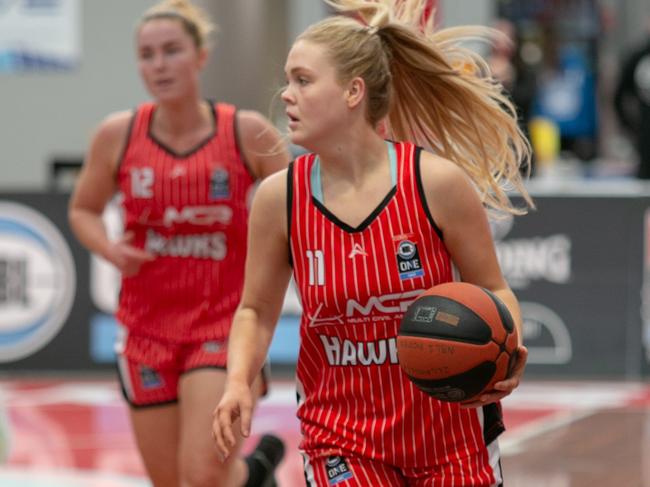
[(560, 434)]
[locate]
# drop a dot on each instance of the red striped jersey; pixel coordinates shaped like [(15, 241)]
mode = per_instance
[(354, 285), (190, 210)]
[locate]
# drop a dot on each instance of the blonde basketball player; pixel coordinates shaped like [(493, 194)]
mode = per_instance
[(337, 219)]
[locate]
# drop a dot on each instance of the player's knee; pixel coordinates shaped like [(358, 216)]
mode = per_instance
[(207, 474)]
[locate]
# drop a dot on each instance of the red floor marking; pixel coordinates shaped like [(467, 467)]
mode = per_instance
[(517, 418)]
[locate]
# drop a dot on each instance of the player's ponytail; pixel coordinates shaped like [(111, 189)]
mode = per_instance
[(429, 89)]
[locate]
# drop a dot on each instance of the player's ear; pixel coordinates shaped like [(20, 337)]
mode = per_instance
[(203, 57), (355, 92)]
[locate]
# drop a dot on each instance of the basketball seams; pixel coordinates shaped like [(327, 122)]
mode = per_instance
[(449, 332), (504, 313), (472, 294), (447, 347)]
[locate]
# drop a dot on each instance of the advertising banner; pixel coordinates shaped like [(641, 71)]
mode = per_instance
[(579, 265), (39, 35), (576, 267)]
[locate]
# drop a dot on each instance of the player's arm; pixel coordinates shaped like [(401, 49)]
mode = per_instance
[(95, 186), (266, 280), (96, 183), (457, 210), (261, 144)]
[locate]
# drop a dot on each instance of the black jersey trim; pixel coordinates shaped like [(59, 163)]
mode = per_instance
[(240, 148), (127, 142), (199, 146), (492, 422), (365, 223), (423, 198), (289, 208)]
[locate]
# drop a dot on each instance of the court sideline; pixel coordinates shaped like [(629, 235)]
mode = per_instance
[(560, 434)]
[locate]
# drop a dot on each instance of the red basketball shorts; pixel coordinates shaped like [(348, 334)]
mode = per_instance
[(149, 369)]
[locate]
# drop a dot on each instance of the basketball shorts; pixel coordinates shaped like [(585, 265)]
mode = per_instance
[(149, 369), (354, 471)]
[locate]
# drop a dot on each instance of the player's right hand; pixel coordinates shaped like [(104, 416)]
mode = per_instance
[(127, 258), (236, 404)]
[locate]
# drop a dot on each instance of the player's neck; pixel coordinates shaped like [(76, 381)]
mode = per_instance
[(353, 157), (183, 117)]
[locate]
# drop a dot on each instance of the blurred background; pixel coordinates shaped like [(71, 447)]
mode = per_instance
[(577, 70)]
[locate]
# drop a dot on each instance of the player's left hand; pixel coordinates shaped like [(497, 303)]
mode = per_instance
[(504, 387)]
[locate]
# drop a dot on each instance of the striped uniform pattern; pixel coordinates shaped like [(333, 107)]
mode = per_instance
[(353, 397), (191, 211)]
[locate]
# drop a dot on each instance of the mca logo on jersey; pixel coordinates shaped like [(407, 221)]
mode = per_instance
[(337, 470), (150, 378), (220, 184), (408, 260), (198, 215)]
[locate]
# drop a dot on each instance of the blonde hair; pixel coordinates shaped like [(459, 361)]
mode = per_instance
[(194, 20), (429, 89)]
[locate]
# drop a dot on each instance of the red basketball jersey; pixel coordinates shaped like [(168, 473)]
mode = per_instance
[(189, 210), (355, 284)]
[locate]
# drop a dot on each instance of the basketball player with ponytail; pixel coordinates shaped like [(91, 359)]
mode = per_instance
[(365, 223), (185, 167)]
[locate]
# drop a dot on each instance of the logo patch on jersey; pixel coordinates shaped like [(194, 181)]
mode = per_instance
[(142, 179), (357, 249), (212, 346), (178, 171), (150, 378), (408, 260), (337, 470), (220, 184)]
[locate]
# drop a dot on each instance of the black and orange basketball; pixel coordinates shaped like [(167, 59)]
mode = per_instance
[(456, 340)]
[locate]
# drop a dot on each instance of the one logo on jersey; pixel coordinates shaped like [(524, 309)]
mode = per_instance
[(408, 260), (220, 184), (337, 470), (142, 182), (150, 378), (357, 250)]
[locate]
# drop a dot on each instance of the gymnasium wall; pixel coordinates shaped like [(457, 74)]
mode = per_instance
[(46, 115)]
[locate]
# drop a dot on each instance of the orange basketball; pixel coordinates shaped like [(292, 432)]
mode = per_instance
[(456, 340)]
